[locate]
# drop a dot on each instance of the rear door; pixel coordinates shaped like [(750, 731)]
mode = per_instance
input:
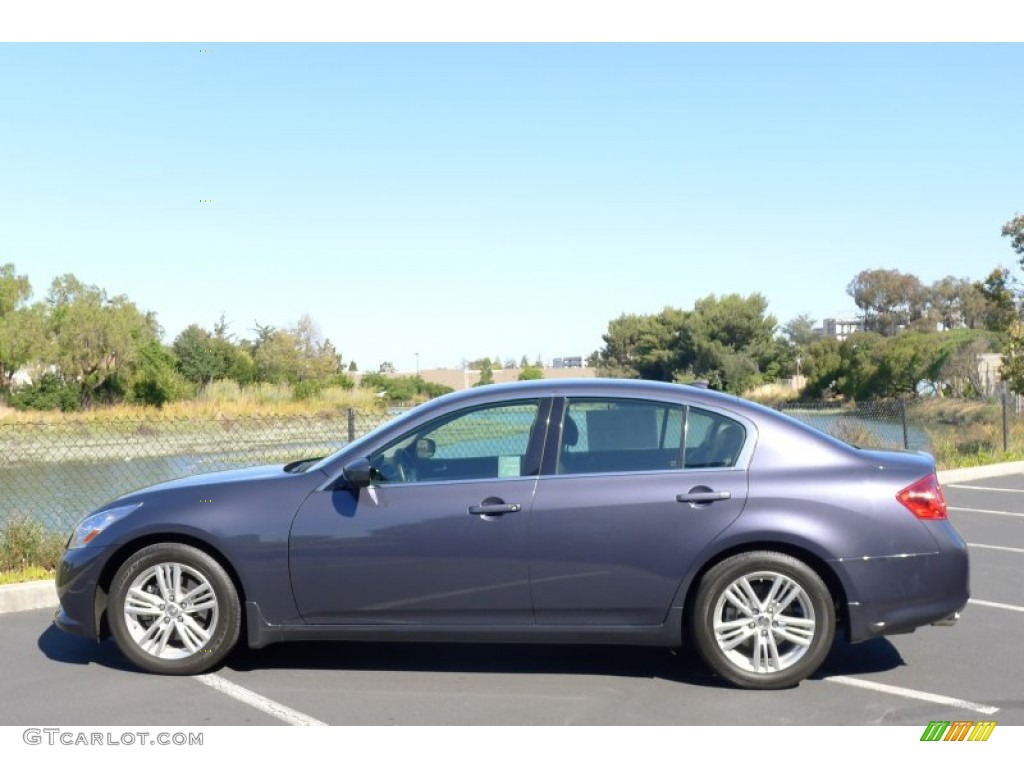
[(631, 492)]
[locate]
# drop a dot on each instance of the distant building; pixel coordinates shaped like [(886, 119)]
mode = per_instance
[(988, 372), (840, 328), (569, 362)]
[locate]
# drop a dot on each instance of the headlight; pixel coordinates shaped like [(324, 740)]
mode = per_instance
[(94, 525)]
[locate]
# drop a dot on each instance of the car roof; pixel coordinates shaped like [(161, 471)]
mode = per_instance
[(596, 386), (592, 385)]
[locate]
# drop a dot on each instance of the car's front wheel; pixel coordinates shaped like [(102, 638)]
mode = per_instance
[(763, 620), (174, 610)]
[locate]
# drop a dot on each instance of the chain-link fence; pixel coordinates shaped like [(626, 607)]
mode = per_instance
[(956, 431), (55, 472)]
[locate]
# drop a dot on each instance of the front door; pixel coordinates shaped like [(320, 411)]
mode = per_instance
[(441, 535)]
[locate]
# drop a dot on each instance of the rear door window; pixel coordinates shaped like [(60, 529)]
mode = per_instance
[(620, 435)]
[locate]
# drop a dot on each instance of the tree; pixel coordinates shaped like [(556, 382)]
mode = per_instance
[(22, 328), (203, 356), (823, 365), (888, 298), (1014, 229), (729, 341), (905, 363), (319, 358), (296, 354), (800, 331), (278, 360), (94, 337), (23, 340), (859, 363), (1012, 368), (642, 346), (867, 365), (156, 380), (959, 372), (14, 289), (957, 303), (999, 291), (242, 367), (352, 367), (486, 373)]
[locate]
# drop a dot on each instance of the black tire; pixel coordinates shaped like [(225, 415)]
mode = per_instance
[(800, 632), (186, 635)]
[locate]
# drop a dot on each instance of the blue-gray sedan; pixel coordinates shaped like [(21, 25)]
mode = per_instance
[(591, 511)]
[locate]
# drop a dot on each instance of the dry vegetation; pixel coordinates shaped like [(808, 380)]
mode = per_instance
[(220, 399)]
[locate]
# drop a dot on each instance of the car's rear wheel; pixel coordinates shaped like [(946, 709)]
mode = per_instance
[(174, 610), (763, 620)]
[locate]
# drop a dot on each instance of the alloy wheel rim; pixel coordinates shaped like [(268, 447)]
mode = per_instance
[(764, 622), (171, 611)]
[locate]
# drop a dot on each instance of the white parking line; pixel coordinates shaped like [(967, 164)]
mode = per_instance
[(986, 511), (984, 488), (990, 604), (910, 693), (262, 703), (1001, 549)]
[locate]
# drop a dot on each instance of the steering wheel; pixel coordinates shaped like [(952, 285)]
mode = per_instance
[(405, 469)]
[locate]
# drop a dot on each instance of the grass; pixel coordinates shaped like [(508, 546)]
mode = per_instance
[(31, 573), (772, 393)]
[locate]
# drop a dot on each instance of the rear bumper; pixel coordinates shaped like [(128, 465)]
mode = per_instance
[(893, 595)]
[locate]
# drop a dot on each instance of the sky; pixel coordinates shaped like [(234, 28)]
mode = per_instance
[(434, 203)]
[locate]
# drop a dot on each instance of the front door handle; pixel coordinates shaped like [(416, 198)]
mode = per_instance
[(702, 495), (494, 508)]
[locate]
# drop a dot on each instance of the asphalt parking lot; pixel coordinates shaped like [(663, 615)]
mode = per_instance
[(972, 671)]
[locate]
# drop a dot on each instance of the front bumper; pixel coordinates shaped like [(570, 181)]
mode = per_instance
[(82, 602)]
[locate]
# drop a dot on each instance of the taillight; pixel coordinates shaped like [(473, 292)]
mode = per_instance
[(924, 498)]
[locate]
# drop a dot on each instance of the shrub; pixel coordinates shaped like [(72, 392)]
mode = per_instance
[(308, 389), (49, 393), (403, 388), (25, 542), (531, 373)]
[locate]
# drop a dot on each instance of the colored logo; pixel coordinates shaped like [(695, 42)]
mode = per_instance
[(958, 730)]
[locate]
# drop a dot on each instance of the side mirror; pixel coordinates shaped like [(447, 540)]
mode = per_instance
[(425, 448), (357, 473)]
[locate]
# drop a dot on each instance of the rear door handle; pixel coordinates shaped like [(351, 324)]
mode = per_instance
[(494, 509), (695, 496)]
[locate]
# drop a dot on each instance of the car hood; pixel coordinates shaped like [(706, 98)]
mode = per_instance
[(226, 477)]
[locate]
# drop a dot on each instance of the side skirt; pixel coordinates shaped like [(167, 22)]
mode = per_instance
[(262, 633)]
